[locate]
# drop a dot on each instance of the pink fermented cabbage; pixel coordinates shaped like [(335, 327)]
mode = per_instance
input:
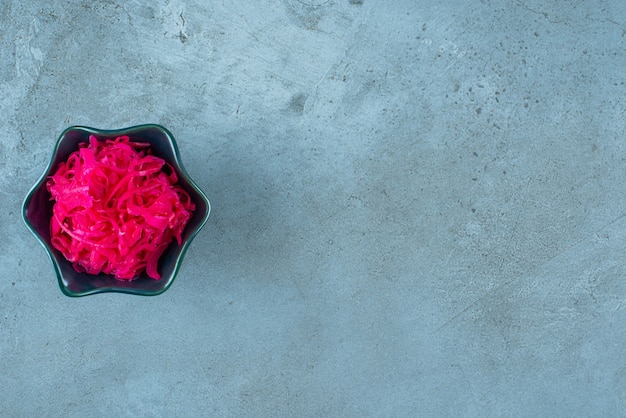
[(117, 208)]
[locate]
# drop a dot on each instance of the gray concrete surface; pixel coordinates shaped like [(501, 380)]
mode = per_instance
[(418, 208)]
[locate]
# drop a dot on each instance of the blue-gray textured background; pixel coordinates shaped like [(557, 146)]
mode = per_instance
[(418, 208)]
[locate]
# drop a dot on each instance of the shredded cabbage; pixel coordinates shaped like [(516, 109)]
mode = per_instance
[(116, 208)]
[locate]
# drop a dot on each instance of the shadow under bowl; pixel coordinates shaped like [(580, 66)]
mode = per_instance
[(37, 212)]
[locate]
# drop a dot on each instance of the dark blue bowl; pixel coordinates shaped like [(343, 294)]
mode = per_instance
[(37, 212)]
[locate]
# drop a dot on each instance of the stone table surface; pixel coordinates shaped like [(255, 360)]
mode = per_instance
[(418, 208)]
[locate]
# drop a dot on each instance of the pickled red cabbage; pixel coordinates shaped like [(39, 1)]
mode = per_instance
[(116, 208)]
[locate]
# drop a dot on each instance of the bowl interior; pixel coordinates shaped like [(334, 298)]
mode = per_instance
[(37, 212)]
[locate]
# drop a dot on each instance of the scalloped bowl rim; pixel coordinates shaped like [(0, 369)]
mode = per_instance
[(179, 168)]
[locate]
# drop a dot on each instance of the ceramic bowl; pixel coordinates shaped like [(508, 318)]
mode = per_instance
[(37, 212)]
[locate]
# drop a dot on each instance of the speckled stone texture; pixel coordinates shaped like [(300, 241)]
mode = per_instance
[(418, 208)]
